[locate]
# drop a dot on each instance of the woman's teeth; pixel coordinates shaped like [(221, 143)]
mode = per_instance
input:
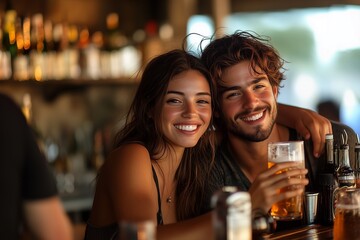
[(186, 127)]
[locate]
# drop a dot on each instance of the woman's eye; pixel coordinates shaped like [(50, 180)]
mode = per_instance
[(203, 101), (233, 94), (173, 100)]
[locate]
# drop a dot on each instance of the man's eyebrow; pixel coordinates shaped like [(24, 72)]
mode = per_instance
[(224, 89), (232, 88), (258, 79)]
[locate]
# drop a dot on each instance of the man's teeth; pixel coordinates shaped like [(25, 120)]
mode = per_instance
[(186, 127), (254, 117)]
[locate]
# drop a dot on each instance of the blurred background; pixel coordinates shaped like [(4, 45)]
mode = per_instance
[(73, 65)]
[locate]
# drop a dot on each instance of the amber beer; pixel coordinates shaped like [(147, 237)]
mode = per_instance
[(347, 214), (292, 151), (347, 222)]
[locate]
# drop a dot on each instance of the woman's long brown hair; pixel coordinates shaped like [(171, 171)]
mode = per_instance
[(142, 126)]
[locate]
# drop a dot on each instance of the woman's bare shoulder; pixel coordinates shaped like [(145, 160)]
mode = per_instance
[(130, 150), (127, 157)]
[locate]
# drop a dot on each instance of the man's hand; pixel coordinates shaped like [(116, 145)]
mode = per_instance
[(265, 190)]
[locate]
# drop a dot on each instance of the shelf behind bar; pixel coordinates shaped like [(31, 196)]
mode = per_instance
[(50, 89)]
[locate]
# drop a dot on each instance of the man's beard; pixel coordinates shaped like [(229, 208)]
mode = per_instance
[(259, 135)]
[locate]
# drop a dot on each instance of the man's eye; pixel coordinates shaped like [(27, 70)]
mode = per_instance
[(259, 86)]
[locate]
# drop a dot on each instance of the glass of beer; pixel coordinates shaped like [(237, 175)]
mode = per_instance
[(290, 151), (347, 214)]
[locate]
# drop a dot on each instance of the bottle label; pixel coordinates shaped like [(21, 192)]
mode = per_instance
[(347, 178), (346, 181)]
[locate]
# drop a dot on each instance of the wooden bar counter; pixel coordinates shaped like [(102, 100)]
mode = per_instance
[(310, 232)]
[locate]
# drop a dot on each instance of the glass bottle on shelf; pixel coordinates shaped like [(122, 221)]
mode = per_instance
[(37, 61), (8, 40), (49, 49), (5, 57), (21, 61)]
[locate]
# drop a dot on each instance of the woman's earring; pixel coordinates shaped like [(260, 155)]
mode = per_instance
[(212, 127)]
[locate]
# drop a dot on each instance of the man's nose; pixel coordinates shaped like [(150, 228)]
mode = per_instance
[(249, 100)]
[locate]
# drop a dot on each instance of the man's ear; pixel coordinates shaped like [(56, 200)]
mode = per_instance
[(275, 91)]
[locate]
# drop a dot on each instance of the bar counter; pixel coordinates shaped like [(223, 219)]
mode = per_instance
[(310, 232)]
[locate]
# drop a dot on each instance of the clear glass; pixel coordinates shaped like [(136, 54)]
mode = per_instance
[(291, 151)]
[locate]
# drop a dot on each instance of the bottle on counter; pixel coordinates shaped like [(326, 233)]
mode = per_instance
[(232, 215), (329, 144), (357, 162), (327, 187), (336, 157), (327, 184), (345, 174)]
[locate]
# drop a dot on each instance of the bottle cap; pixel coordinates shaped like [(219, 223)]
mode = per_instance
[(329, 136)]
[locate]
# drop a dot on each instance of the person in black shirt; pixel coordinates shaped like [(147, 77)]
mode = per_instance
[(29, 197)]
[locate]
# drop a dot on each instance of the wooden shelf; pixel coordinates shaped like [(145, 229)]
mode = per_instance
[(51, 89)]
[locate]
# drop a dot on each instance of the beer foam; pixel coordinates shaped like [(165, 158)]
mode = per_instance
[(348, 207)]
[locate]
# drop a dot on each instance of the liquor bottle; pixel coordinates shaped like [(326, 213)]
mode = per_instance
[(9, 35), (327, 187), (336, 157), (357, 162), (327, 184), (345, 174), (37, 61), (329, 144), (21, 60)]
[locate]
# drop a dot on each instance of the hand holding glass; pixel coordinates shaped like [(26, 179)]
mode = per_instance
[(291, 151)]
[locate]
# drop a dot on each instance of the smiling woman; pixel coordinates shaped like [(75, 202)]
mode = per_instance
[(162, 157), (186, 114)]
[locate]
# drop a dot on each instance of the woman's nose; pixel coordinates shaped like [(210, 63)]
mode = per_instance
[(189, 110)]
